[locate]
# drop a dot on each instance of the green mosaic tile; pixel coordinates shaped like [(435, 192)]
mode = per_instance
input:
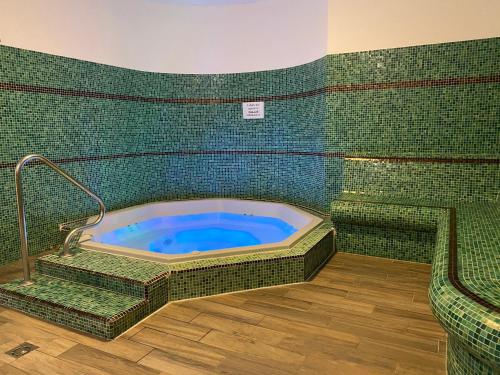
[(384, 226), (119, 266), (298, 249), (95, 311), (461, 362), (51, 266), (99, 304), (319, 255), (229, 274), (229, 278), (30, 124), (474, 327), (404, 122), (381, 214), (386, 242), (83, 295), (431, 122), (478, 241), (75, 296), (457, 59), (422, 181), (35, 68), (457, 121), (198, 277)]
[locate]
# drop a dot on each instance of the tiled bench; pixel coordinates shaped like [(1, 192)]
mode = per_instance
[(465, 286)]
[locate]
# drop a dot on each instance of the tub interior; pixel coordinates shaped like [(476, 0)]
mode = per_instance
[(178, 231), (184, 234)]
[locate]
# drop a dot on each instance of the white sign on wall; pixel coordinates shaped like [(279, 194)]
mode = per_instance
[(252, 110)]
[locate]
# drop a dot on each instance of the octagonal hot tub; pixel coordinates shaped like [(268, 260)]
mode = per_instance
[(179, 231)]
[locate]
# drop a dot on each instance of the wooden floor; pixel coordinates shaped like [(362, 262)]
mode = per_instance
[(360, 315)]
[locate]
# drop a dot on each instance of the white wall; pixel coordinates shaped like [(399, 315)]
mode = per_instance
[(362, 25), (185, 36)]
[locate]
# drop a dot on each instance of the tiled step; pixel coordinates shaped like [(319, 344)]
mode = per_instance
[(120, 274), (82, 307), (93, 292)]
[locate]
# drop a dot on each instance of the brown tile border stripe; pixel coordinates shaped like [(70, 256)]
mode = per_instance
[(415, 84), (453, 266), (412, 159), (326, 89), (452, 255), (99, 95), (4, 165), (340, 155)]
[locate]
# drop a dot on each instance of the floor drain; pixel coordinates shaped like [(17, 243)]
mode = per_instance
[(21, 350)]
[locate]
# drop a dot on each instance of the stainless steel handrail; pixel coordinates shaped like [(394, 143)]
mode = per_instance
[(22, 214)]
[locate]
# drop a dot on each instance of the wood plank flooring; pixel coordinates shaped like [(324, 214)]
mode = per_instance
[(360, 315)]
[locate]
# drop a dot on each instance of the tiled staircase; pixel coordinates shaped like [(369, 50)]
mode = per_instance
[(102, 296)]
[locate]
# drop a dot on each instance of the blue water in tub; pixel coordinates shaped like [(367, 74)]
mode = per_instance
[(185, 234)]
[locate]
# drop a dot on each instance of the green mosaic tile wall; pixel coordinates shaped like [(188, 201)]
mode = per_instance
[(472, 328), (457, 121), (409, 245), (62, 127), (462, 362), (458, 59), (432, 181)]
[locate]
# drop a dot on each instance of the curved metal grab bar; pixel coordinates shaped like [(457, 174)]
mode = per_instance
[(22, 214)]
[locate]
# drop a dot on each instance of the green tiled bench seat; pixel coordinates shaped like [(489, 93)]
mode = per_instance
[(384, 215), (381, 226), (465, 283)]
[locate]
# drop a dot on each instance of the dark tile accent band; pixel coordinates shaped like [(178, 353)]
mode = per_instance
[(99, 95), (415, 84), (6, 165), (340, 155), (412, 159), (327, 89), (453, 266)]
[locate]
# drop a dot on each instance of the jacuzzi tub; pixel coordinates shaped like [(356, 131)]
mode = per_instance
[(185, 230)]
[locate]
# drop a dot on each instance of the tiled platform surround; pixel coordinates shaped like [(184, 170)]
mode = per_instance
[(104, 294)]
